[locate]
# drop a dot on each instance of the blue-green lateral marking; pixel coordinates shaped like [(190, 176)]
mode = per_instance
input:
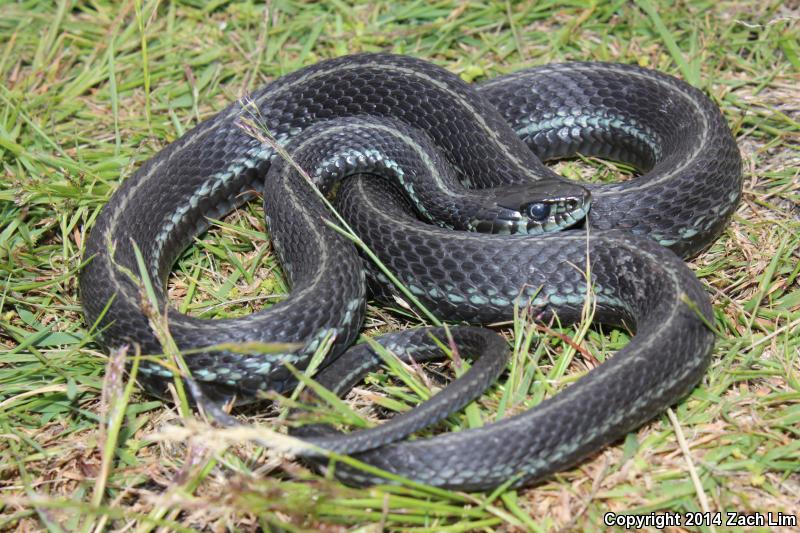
[(368, 158), (604, 122), (213, 184)]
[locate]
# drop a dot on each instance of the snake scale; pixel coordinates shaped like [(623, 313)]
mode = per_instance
[(404, 143)]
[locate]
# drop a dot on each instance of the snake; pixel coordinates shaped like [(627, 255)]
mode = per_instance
[(445, 182)]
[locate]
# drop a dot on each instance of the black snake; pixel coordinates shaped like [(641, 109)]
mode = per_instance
[(438, 140)]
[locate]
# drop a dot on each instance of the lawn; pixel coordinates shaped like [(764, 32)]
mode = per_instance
[(90, 90)]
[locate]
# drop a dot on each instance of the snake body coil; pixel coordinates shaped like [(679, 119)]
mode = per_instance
[(439, 134)]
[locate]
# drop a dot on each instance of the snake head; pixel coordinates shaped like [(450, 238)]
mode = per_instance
[(540, 207)]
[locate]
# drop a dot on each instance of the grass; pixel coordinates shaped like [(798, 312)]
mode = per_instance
[(90, 90)]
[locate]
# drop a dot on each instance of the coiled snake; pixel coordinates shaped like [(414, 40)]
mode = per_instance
[(414, 141)]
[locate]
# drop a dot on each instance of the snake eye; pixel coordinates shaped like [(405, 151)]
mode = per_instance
[(537, 211)]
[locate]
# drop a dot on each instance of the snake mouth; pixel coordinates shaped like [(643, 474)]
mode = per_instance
[(535, 210), (554, 214), (564, 214), (568, 205)]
